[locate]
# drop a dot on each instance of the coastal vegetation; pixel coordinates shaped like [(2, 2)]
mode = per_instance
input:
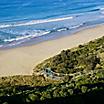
[(75, 76)]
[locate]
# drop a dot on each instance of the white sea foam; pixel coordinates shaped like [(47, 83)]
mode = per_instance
[(5, 25), (26, 37), (16, 43), (76, 26), (35, 33), (1, 46), (33, 22), (63, 29), (101, 8), (20, 40)]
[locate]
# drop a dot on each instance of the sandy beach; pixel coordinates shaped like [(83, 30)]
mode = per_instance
[(21, 61)]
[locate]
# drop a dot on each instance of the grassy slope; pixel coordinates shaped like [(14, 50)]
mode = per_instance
[(86, 65)]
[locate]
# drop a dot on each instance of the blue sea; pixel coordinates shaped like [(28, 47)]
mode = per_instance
[(22, 21)]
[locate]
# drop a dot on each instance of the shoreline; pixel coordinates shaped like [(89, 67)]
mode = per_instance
[(22, 60), (51, 36)]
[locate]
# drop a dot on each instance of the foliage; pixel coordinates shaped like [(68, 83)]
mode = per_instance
[(79, 72), (77, 59)]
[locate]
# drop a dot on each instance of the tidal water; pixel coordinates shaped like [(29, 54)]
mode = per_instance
[(23, 20)]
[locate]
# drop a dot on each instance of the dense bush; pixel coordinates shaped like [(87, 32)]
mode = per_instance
[(77, 59), (81, 79)]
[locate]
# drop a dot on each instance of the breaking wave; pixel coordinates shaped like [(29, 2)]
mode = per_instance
[(33, 22)]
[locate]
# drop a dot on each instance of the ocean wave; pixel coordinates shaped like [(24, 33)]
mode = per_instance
[(63, 29), (29, 36), (26, 35), (67, 28), (14, 44), (33, 22), (1, 46), (76, 26), (102, 10), (5, 25)]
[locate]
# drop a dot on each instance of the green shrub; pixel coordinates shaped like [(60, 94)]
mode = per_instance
[(84, 89)]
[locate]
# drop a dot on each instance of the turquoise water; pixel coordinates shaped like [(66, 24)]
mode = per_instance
[(23, 20)]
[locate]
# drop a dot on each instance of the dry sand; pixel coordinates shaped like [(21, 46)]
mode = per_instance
[(21, 61)]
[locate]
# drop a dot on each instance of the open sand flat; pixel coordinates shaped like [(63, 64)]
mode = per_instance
[(23, 59)]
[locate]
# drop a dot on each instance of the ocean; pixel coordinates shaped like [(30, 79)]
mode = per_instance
[(23, 21)]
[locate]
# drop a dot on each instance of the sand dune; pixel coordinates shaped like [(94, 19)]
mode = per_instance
[(23, 59)]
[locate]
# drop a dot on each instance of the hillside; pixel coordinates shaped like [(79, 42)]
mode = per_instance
[(75, 76), (83, 58)]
